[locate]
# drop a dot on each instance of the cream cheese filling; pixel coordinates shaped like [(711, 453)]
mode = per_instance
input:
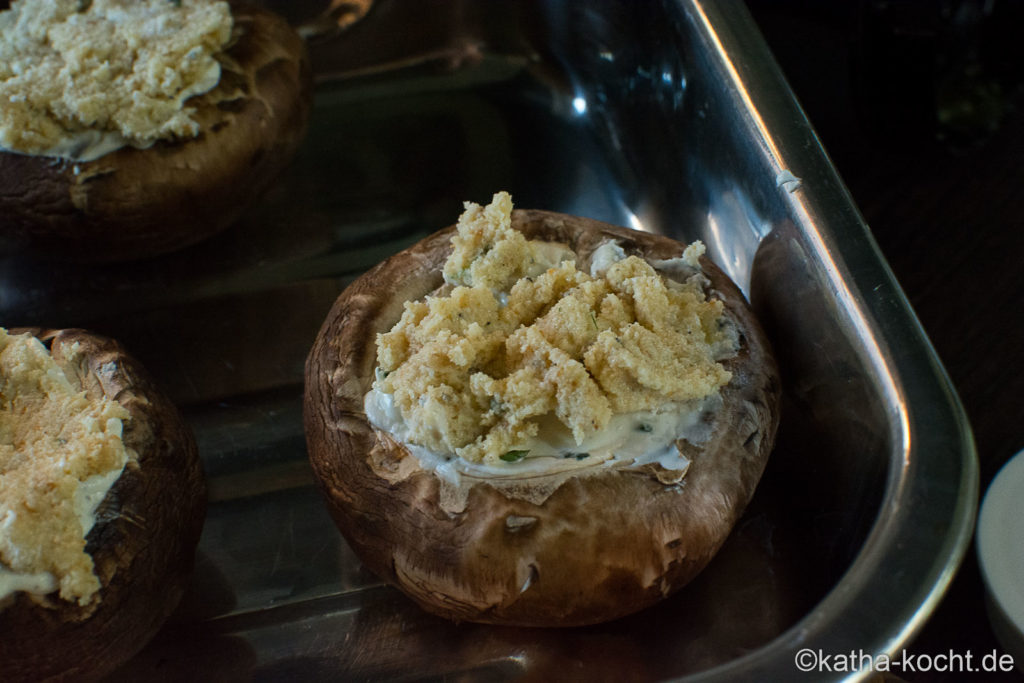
[(40, 583), (631, 440)]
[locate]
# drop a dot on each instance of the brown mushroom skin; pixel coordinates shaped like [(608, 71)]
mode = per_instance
[(143, 543), (600, 546), (133, 203)]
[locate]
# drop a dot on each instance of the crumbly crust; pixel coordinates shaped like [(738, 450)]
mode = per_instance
[(116, 66), (52, 438), (520, 332)]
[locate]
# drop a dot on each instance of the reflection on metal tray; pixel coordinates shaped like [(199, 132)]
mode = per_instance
[(664, 116)]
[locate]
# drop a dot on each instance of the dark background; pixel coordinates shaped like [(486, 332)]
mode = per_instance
[(919, 104)]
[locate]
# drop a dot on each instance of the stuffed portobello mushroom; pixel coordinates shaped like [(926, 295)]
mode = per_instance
[(133, 128), (102, 501), (539, 419)]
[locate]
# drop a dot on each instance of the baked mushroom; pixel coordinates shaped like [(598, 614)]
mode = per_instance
[(102, 501), (532, 521), (110, 170)]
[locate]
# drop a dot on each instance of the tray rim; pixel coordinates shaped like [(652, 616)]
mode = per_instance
[(831, 223)]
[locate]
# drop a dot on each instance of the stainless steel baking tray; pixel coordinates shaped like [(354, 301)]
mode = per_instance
[(665, 116)]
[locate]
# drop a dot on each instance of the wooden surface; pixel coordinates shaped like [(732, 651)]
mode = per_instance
[(923, 116)]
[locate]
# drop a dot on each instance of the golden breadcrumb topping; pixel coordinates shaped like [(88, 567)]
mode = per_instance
[(52, 438), (118, 66), (520, 333)]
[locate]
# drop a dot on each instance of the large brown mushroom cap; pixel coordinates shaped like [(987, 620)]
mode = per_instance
[(132, 202), (142, 545), (601, 544)]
